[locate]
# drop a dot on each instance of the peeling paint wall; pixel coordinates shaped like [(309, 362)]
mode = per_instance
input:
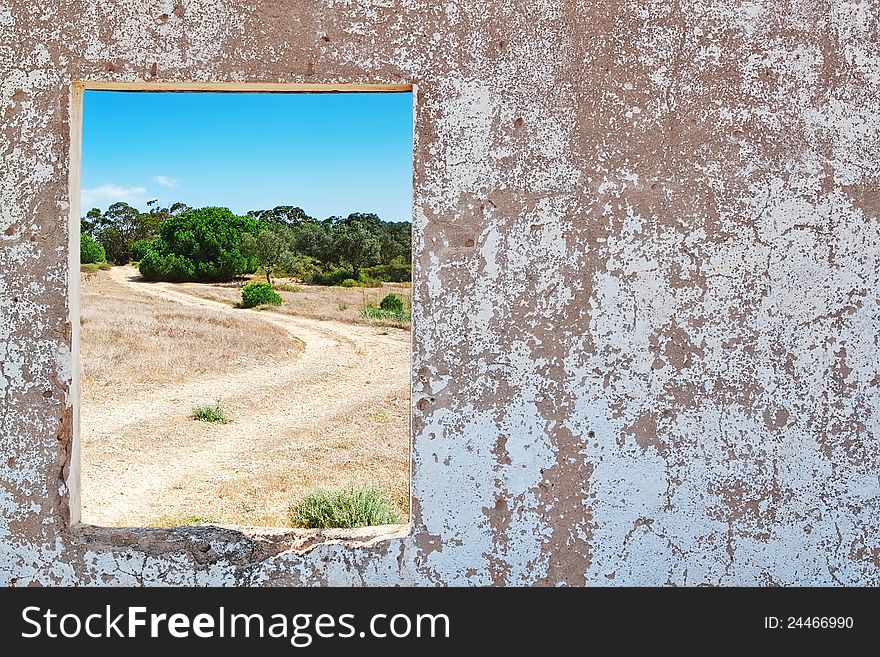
[(647, 318)]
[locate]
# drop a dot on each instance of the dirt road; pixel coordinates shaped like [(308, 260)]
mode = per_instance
[(334, 411)]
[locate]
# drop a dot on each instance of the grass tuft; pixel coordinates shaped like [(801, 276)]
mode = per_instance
[(209, 413), (372, 312), (344, 508)]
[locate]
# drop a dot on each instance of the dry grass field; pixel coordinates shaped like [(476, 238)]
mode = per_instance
[(315, 396)]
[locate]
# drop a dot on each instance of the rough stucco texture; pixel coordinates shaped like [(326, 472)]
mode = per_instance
[(647, 239)]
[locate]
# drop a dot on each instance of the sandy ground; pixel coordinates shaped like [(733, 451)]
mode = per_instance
[(311, 403)]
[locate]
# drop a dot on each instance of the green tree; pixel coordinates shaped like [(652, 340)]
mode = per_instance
[(395, 241), (355, 242), (286, 215), (120, 227), (269, 248), (312, 238), (200, 245), (87, 224)]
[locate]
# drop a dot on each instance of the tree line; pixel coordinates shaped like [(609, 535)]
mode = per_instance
[(180, 243)]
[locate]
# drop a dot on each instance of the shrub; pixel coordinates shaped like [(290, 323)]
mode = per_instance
[(342, 277), (300, 267), (259, 294), (200, 245), (392, 303), (345, 508), (334, 277), (89, 268), (397, 271), (209, 413), (90, 252), (155, 266), (371, 312), (139, 249)]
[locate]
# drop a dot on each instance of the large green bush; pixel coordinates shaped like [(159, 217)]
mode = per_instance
[(259, 294), (348, 507), (90, 252), (200, 245), (139, 249), (156, 266)]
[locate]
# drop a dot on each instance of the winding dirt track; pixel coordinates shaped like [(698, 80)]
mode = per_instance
[(278, 410)]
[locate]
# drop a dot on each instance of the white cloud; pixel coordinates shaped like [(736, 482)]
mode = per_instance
[(90, 198), (165, 181)]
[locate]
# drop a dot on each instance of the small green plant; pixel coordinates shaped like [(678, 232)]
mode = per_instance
[(350, 282), (371, 312), (392, 303), (343, 307), (259, 294), (347, 507), (104, 266), (210, 413), (89, 267), (288, 287)]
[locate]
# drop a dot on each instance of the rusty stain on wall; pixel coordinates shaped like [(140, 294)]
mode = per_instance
[(645, 289)]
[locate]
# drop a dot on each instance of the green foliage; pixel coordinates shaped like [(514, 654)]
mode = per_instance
[(213, 244), (334, 277), (209, 413), (341, 276), (346, 508), (139, 249), (121, 226), (300, 267), (200, 245), (312, 239), (89, 268), (355, 242), (283, 215), (155, 266), (90, 251), (259, 294), (118, 228), (396, 271), (342, 307), (395, 241), (392, 303), (269, 248), (372, 312)]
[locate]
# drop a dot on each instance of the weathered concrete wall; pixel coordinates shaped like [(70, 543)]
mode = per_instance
[(647, 238)]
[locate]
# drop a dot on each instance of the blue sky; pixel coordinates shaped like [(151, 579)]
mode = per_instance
[(330, 153)]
